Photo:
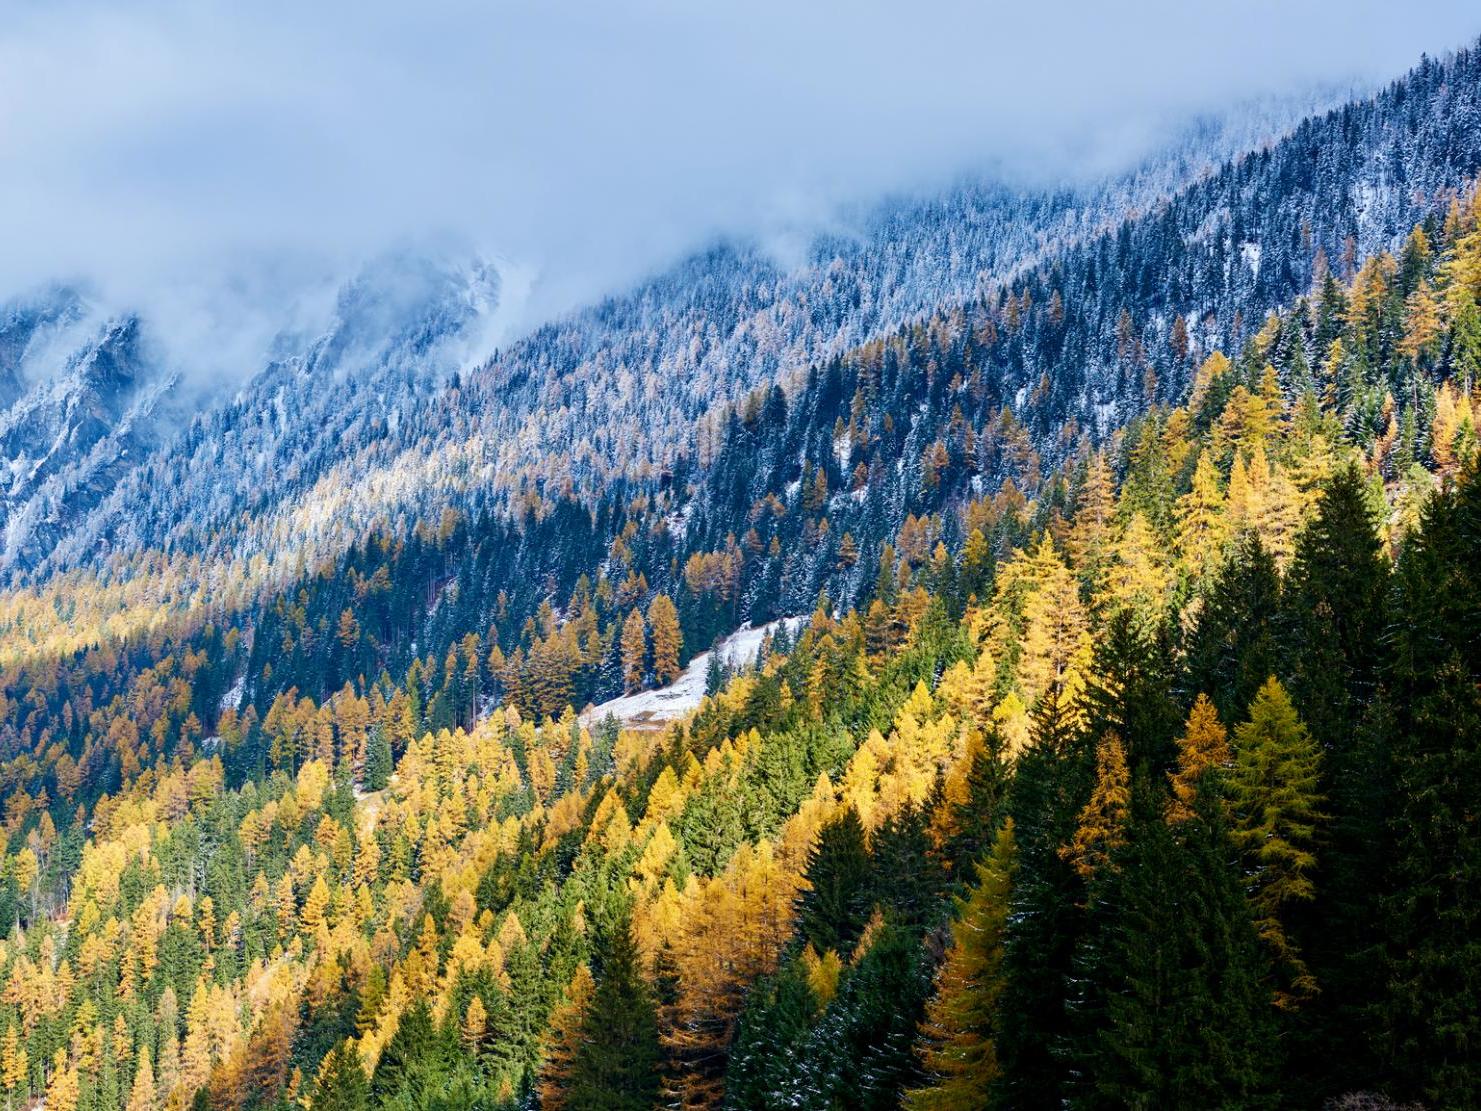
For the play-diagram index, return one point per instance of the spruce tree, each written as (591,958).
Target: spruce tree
(1052,784)
(831,910)
(1235,644)
(1336,618)
(1431,1014)
(958,1038)
(615,1065)
(341,1085)
(1171,1010)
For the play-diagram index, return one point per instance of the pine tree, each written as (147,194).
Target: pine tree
(1335,611)
(1201,527)
(1336,607)
(564,1040)
(615,1065)
(958,1038)
(415,1052)
(1274,789)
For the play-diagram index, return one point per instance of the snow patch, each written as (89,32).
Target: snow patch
(656,708)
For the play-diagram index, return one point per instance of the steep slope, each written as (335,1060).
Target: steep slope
(83,402)
(1037,823)
(614,391)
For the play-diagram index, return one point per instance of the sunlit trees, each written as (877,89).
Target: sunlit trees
(1274,790)
(959,1050)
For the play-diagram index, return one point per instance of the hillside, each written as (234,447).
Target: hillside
(1127,756)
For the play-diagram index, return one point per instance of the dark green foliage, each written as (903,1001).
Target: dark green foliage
(832,908)
(415,1057)
(769,1038)
(1053,780)
(378,761)
(1235,646)
(341,1085)
(615,1067)
(1172,1011)
(1336,616)
(1432,913)
(1131,691)
(907,880)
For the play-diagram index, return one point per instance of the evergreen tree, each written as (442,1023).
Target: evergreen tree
(341,1085)
(615,1063)
(1172,1011)
(416,1053)
(1235,644)
(1337,615)
(830,909)
(1053,781)
(1431,1016)
(958,1038)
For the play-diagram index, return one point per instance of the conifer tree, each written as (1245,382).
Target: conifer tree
(378,760)
(1203,748)
(1431,1014)
(1053,780)
(1274,790)
(1171,1011)
(634,651)
(668,642)
(341,1084)
(1235,644)
(615,1063)
(958,1038)
(1335,600)
(565,1040)
(1101,827)
(830,910)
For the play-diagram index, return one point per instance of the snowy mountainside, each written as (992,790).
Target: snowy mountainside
(93,400)
(298,463)
(653,709)
(85,399)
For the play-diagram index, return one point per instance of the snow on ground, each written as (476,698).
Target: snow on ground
(656,708)
(233,698)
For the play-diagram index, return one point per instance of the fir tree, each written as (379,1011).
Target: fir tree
(615,1063)
(831,910)
(958,1049)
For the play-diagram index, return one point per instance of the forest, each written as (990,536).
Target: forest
(1125,751)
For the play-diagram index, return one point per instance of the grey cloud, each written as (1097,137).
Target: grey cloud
(223,159)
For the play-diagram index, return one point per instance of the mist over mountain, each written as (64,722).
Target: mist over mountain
(740,559)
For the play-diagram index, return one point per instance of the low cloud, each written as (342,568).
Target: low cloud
(226,159)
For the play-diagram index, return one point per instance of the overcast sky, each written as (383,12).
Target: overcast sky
(251,144)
